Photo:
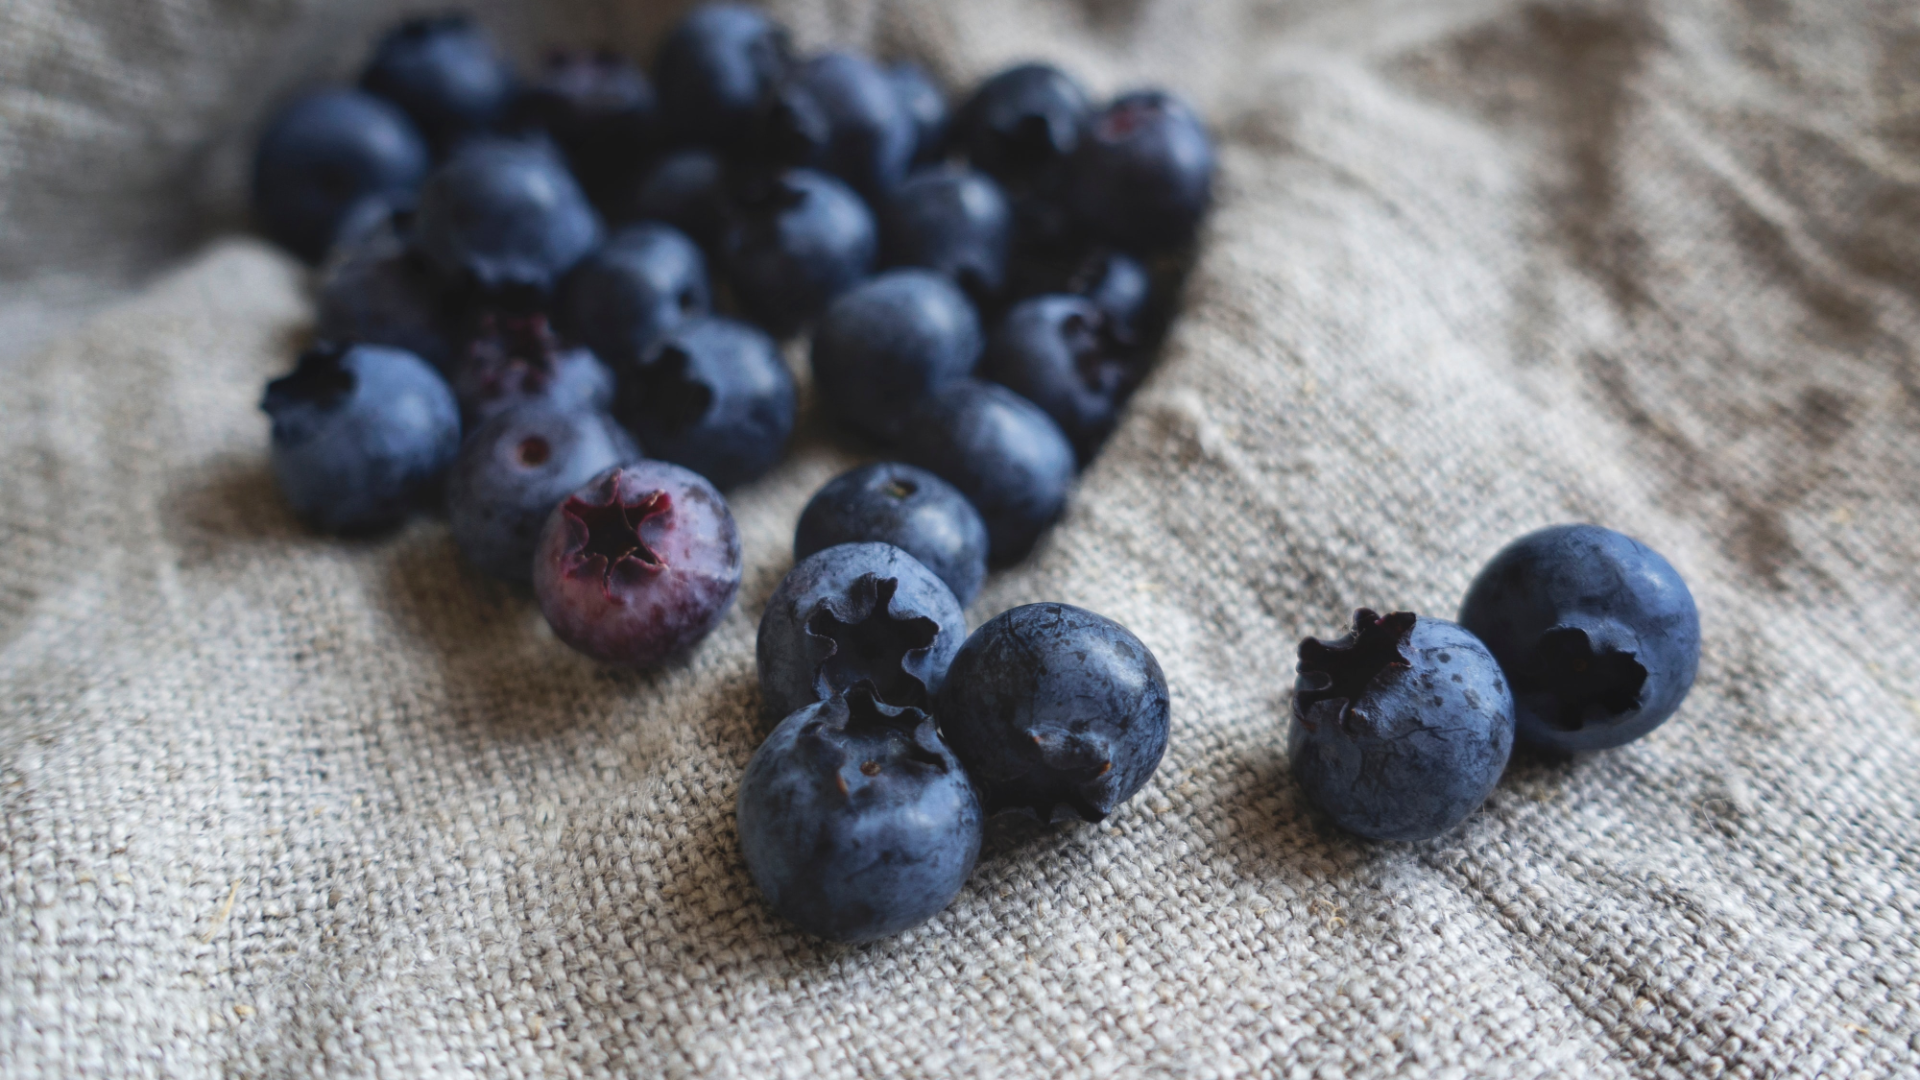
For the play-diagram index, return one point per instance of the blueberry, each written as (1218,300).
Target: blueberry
(638,565)
(1006,456)
(1056,712)
(625,297)
(506,217)
(954,221)
(373,289)
(1022,123)
(445,72)
(1596,631)
(1401,728)
(518,358)
(799,239)
(687,190)
(1057,352)
(716,69)
(855,821)
(713,395)
(323,154)
(857,613)
(515,469)
(360,434)
(1119,286)
(599,108)
(839,112)
(926,104)
(889,342)
(910,508)
(1143,175)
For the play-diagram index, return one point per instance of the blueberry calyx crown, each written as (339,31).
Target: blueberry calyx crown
(608,540)
(668,395)
(858,638)
(1339,673)
(858,731)
(318,378)
(1575,683)
(1083,759)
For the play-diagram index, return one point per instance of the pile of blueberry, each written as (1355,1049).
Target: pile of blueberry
(984,289)
(1572,638)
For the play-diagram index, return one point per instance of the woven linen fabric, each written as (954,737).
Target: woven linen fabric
(282,805)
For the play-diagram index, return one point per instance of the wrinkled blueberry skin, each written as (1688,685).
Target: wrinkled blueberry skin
(839,112)
(797,241)
(1142,177)
(857,613)
(1597,632)
(517,359)
(856,821)
(374,290)
(1006,456)
(712,395)
(1056,352)
(1057,712)
(360,434)
(887,343)
(599,108)
(687,190)
(1401,728)
(953,221)
(1022,122)
(505,217)
(638,565)
(515,469)
(622,299)
(323,154)
(445,72)
(716,69)
(910,508)
(926,104)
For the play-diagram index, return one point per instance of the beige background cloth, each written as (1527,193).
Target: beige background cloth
(277,805)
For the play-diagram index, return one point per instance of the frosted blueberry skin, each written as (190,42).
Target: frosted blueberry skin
(505,217)
(1022,122)
(857,613)
(687,190)
(515,469)
(374,290)
(715,70)
(712,395)
(795,242)
(887,343)
(1058,713)
(445,72)
(926,105)
(599,108)
(638,565)
(361,434)
(517,358)
(954,221)
(323,154)
(1001,451)
(856,821)
(1142,177)
(1057,352)
(1597,632)
(622,299)
(1401,728)
(840,113)
(910,508)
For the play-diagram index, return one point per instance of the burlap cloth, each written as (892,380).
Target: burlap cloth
(278,805)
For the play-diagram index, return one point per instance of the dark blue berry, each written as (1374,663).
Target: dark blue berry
(951,220)
(324,154)
(687,190)
(515,469)
(1120,287)
(373,289)
(712,395)
(1143,175)
(1596,631)
(1056,712)
(889,342)
(716,69)
(599,108)
(1022,123)
(1056,352)
(926,104)
(505,217)
(799,239)
(855,821)
(839,112)
(445,72)
(857,613)
(360,434)
(1006,456)
(622,299)
(910,508)
(518,358)
(638,565)
(1401,728)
